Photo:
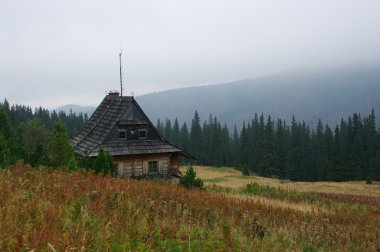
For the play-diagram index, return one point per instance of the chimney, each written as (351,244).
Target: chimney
(112,95)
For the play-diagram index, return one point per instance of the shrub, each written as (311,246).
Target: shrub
(104,163)
(73,165)
(245,171)
(189,180)
(60,149)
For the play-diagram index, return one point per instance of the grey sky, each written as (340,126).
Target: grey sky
(59,52)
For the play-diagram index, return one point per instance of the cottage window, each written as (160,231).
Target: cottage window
(152,167)
(132,134)
(122,135)
(142,133)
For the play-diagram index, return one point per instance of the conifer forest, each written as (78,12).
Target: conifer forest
(274,148)
(266,146)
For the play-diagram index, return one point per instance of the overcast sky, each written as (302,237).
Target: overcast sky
(58,52)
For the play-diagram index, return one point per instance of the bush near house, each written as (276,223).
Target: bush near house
(189,180)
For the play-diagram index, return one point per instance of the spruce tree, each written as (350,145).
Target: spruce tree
(60,149)
(34,138)
(175,133)
(7,143)
(184,137)
(189,180)
(235,150)
(335,169)
(168,130)
(196,141)
(104,164)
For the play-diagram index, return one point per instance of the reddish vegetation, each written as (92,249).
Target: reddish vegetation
(367,200)
(42,209)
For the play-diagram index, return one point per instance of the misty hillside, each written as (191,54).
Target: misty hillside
(329,95)
(76,109)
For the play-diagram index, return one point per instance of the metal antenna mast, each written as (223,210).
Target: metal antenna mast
(121,74)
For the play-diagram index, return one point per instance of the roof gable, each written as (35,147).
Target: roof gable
(120,113)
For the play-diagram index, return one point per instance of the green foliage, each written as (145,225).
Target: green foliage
(73,165)
(34,139)
(85,161)
(7,141)
(196,144)
(274,149)
(54,210)
(245,171)
(104,164)
(267,147)
(60,149)
(189,180)
(368,181)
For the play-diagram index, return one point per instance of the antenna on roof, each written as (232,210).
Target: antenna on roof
(121,74)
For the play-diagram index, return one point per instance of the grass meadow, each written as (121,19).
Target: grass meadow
(52,210)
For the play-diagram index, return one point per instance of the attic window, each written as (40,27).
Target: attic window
(142,133)
(152,167)
(122,135)
(132,134)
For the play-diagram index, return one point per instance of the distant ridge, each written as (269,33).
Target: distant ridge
(76,109)
(308,95)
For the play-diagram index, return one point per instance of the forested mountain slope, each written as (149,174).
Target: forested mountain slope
(309,95)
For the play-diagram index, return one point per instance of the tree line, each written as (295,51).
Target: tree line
(273,148)
(38,137)
(268,147)
(42,138)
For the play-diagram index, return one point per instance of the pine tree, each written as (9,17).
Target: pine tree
(159,127)
(34,139)
(184,137)
(358,167)
(7,145)
(336,170)
(6,105)
(168,130)
(370,148)
(189,180)
(282,147)
(235,150)
(196,142)
(73,165)
(244,148)
(269,163)
(104,164)
(175,133)
(60,149)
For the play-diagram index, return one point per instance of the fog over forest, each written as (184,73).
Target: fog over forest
(329,95)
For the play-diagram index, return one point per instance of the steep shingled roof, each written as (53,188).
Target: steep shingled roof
(100,132)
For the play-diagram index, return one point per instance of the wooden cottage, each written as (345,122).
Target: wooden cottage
(120,126)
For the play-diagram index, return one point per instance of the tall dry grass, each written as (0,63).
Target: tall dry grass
(46,210)
(229,177)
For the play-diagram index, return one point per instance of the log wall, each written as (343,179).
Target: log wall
(137,166)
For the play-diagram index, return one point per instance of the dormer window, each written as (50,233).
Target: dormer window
(122,134)
(142,133)
(132,134)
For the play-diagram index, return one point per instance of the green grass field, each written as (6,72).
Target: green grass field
(52,210)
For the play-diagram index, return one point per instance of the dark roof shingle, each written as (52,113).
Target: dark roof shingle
(123,111)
